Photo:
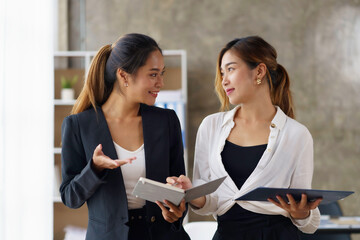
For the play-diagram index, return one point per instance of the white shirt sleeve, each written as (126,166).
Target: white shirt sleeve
(302,178)
(202,170)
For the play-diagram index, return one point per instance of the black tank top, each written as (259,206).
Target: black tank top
(240,162)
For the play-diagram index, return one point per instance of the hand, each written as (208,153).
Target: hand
(174,213)
(101,161)
(182,182)
(297,210)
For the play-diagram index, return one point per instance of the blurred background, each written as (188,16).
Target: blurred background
(318,42)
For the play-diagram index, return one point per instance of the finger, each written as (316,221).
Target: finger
(303,201)
(282,202)
(291,200)
(98,150)
(132,159)
(163,208)
(274,202)
(315,204)
(121,162)
(181,178)
(108,162)
(171,180)
(169,218)
(127,160)
(173,208)
(182,206)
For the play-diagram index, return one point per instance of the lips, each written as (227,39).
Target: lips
(154,93)
(229,91)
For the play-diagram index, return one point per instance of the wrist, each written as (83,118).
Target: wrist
(198,202)
(300,216)
(96,168)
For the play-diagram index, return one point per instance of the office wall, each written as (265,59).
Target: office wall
(317,41)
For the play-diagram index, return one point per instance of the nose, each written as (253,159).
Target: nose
(160,82)
(224,80)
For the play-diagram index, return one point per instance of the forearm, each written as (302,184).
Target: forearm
(198,202)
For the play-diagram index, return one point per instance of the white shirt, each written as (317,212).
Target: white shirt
(132,172)
(286,163)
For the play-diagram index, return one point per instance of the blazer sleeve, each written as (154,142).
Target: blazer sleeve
(79,181)
(302,178)
(177,165)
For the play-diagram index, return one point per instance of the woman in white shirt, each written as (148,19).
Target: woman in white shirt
(258,143)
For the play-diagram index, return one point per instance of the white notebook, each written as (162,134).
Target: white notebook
(156,191)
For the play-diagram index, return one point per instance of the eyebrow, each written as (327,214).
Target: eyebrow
(156,69)
(230,64)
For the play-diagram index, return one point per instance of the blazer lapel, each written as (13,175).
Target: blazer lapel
(154,145)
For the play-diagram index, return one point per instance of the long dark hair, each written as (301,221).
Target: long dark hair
(128,53)
(254,50)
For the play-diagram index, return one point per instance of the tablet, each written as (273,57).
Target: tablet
(263,193)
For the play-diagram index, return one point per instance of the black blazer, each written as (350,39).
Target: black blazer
(105,195)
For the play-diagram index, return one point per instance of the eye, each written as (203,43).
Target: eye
(153,75)
(230,69)
(162,73)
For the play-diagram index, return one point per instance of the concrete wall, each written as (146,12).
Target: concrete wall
(318,41)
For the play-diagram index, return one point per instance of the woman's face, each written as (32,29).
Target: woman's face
(238,80)
(148,80)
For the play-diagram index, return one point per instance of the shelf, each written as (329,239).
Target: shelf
(60,102)
(57,199)
(57,150)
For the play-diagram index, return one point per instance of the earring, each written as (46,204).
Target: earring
(258,81)
(126,84)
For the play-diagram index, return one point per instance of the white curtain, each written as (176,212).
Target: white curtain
(26,119)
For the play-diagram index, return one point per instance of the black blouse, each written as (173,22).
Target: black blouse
(240,162)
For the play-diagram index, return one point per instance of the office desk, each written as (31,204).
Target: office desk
(339,224)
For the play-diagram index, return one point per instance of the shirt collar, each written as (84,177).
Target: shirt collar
(278,120)
(229,116)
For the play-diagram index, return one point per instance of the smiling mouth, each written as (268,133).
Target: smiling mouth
(154,93)
(230,90)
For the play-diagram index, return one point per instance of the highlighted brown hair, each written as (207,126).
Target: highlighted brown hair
(254,50)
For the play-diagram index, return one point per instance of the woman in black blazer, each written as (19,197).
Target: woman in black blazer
(114,136)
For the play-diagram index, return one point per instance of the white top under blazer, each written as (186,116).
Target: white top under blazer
(286,163)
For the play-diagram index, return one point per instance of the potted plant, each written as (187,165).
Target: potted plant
(67,91)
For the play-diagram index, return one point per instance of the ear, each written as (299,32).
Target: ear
(261,71)
(121,75)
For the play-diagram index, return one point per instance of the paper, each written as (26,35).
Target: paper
(156,191)
(262,194)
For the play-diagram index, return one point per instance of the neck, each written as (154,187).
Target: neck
(118,106)
(260,108)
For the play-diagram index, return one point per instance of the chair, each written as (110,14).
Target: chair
(203,230)
(332,209)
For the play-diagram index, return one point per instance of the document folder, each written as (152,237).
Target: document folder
(263,193)
(156,191)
